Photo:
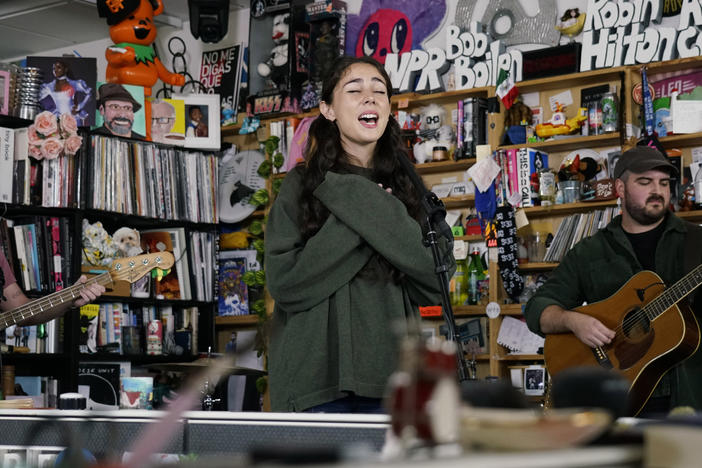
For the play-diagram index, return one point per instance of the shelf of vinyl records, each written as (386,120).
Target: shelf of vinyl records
(117,175)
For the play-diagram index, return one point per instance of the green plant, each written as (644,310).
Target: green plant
(260,197)
(276,186)
(264,169)
(271,144)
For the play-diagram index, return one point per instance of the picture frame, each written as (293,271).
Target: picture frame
(168,121)
(204,133)
(70,86)
(4,92)
(138,127)
(534,380)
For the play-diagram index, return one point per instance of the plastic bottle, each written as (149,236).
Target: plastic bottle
(475,275)
(458,287)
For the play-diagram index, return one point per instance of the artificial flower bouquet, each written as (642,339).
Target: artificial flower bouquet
(52,136)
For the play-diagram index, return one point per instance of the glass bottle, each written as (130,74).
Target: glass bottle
(475,275)
(458,286)
(610,111)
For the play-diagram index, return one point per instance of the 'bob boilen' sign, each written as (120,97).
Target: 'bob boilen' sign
(477,62)
(618,33)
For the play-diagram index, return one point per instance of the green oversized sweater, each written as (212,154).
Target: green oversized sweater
(335,330)
(598,266)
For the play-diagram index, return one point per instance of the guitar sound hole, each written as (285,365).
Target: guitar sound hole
(636,324)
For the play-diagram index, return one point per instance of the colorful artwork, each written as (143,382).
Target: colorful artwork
(233,292)
(136,393)
(392,27)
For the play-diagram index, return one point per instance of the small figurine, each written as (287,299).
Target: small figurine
(432,133)
(275,69)
(128,241)
(571,23)
(560,125)
(326,49)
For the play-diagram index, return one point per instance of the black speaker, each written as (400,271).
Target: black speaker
(209,19)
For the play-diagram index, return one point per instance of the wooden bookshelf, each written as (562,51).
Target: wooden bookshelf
(567,208)
(236,320)
(571,143)
(444,166)
(537,266)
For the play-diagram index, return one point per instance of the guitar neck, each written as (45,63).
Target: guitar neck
(50,302)
(674,294)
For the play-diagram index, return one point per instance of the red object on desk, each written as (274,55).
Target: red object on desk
(430,311)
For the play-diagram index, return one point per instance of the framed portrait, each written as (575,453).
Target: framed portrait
(128,111)
(168,121)
(534,380)
(69,86)
(202,128)
(4,92)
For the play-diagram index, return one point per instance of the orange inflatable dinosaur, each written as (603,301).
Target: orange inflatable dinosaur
(132,60)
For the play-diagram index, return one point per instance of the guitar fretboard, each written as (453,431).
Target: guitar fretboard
(51,301)
(674,294)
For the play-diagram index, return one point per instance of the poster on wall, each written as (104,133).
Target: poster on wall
(68,87)
(220,73)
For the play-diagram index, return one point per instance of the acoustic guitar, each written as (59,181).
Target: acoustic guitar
(123,269)
(653,333)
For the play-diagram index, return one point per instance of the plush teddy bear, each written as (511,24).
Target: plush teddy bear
(432,133)
(275,68)
(128,241)
(98,247)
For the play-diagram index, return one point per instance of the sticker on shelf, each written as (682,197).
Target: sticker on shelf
(492,310)
(520,218)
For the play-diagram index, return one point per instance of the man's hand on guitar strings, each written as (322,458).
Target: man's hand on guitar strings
(88,293)
(589,330)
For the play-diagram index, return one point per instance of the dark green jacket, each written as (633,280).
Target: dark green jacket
(598,266)
(333,330)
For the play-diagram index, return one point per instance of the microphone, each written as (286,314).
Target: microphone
(433,206)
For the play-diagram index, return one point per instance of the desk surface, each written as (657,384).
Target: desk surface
(222,436)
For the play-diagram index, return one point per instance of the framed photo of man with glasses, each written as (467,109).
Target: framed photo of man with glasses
(120,111)
(168,121)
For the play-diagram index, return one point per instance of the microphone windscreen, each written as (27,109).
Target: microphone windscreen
(591,387)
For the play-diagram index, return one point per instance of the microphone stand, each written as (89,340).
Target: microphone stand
(436,225)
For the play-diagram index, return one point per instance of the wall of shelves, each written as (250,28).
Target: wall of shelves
(63,365)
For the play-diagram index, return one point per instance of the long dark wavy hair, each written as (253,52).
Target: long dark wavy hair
(324,153)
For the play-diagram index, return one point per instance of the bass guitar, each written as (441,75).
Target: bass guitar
(123,269)
(654,332)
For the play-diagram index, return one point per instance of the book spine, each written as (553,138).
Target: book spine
(523,175)
(7,158)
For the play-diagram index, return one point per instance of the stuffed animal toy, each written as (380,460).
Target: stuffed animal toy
(98,247)
(432,132)
(128,241)
(275,69)
(132,60)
